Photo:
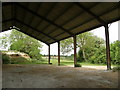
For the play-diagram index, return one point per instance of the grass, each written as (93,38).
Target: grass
(62,62)
(65,62)
(90,64)
(70,62)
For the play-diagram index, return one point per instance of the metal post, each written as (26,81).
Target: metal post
(75,62)
(107,47)
(48,54)
(58,52)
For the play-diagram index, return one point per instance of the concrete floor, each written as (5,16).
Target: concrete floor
(0,79)
(48,76)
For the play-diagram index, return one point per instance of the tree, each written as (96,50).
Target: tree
(80,56)
(4,42)
(24,43)
(99,56)
(66,46)
(115,52)
(87,43)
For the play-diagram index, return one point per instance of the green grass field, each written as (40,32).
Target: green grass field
(65,62)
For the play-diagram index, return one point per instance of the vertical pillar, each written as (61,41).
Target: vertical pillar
(48,54)
(75,60)
(107,47)
(58,52)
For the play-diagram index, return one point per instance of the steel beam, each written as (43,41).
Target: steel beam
(92,19)
(7,3)
(29,34)
(75,59)
(70,19)
(63,12)
(87,22)
(49,21)
(91,13)
(48,54)
(5,30)
(107,47)
(58,53)
(47,14)
(35,29)
(8,20)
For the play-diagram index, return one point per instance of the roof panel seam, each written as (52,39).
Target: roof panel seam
(35,29)
(49,21)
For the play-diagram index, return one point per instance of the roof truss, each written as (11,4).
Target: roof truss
(72,18)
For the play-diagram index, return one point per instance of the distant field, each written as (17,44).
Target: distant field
(65,62)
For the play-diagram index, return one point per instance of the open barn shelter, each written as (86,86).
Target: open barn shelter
(52,22)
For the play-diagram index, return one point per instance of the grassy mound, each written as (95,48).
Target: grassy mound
(19,60)
(6,59)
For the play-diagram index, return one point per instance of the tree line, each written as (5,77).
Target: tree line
(21,42)
(91,48)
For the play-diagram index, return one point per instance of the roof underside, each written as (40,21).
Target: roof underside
(50,22)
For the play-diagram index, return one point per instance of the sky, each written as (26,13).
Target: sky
(100,32)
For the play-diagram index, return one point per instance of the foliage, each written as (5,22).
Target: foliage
(88,44)
(91,48)
(4,41)
(115,52)
(80,56)
(6,59)
(18,41)
(66,46)
(99,56)
(25,43)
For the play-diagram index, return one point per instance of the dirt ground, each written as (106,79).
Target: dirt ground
(49,76)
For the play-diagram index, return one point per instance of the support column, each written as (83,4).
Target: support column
(48,54)
(107,47)
(58,53)
(75,60)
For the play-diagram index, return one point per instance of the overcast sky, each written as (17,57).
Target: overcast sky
(100,32)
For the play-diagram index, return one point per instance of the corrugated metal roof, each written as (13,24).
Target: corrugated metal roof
(50,22)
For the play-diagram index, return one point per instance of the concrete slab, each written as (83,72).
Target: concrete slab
(48,76)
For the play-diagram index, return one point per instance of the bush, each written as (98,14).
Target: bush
(80,56)
(116,69)
(78,65)
(6,59)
